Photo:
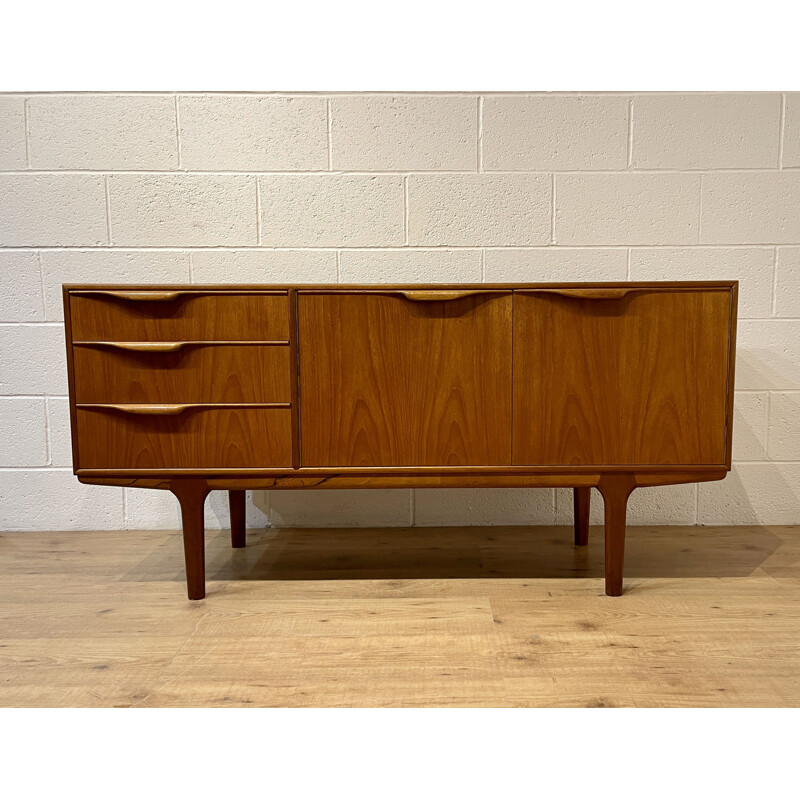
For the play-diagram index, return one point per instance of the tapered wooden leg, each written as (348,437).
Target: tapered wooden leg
(581,502)
(236,501)
(616,489)
(192,496)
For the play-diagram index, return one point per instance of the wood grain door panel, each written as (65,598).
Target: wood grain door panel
(189,316)
(190,374)
(198,438)
(639,379)
(391,381)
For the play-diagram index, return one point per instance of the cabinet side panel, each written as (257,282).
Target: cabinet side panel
(641,379)
(73,418)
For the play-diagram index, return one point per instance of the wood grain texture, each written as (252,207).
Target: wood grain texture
(616,489)
(197,438)
(465,616)
(192,495)
(192,374)
(642,379)
(386,382)
(581,509)
(325,479)
(191,316)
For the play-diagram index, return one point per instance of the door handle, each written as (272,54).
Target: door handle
(438,296)
(584,294)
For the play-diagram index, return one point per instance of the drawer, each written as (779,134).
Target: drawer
(181,372)
(152,316)
(196,438)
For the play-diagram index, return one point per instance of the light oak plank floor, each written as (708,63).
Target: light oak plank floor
(402,617)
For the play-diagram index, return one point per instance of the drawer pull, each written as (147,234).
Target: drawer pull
(585,294)
(172,347)
(170,409)
(138,347)
(149,297)
(154,409)
(436,296)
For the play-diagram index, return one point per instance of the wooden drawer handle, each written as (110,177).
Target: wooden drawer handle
(172,347)
(149,297)
(171,409)
(138,347)
(151,409)
(584,294)
(436,296)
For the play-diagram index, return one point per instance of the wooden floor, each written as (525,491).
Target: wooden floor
(402,617)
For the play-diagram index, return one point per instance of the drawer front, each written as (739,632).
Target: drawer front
(178,316)
(189,373)
(417,378)
(197,438)
(621,378)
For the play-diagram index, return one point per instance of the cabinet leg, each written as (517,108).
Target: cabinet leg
(192,495)
(236,501)
(616,489)
(581,502)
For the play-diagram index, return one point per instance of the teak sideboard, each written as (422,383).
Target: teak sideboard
(192,388)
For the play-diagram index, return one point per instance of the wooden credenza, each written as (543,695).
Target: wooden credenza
(192,388)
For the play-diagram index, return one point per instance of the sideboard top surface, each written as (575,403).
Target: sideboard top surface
(377,287)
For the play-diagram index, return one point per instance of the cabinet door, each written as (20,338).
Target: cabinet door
(405,378)
(635,379)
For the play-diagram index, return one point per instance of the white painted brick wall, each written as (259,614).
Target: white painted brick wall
(545,133)
(705,131)
(379,188)
(331,210)
(619,209)
(102,132)
(12,133)
(242,133)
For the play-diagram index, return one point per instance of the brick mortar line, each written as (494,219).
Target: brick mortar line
(630,135)
(700,211)
(47,437)
(383,93)
(767,414)
(782,131)
(178,133)
(258,213)
(479,143)
(404,172)
(329,133)
(774,304)
(107,191)
(26,123)
(383,248)
(41,285)
(406,210)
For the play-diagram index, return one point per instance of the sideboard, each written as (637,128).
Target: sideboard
(191,388)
